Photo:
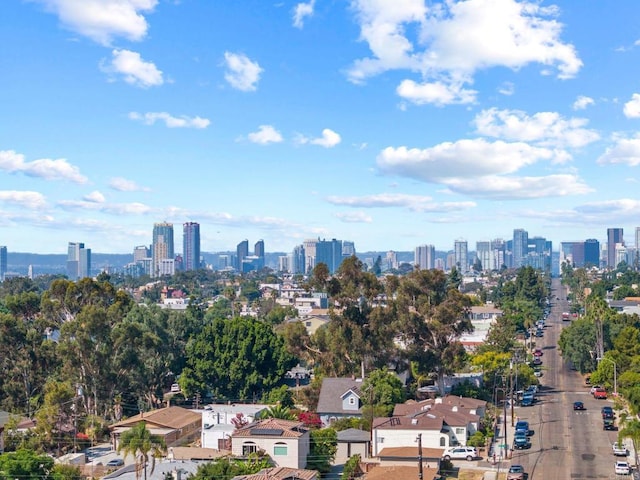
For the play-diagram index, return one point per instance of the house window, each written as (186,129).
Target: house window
(443,442)
(249,448)
(352,401)
(460,431)
(280,448)
(308,324)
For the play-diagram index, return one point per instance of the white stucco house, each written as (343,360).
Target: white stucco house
(220,421)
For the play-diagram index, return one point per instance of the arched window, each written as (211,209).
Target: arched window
(249,447)
(280,448)
(443,442)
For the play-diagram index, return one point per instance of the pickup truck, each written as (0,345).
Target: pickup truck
(619,450)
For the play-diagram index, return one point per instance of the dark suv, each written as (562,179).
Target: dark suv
(607,412)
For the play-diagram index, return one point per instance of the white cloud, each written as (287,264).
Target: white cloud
(417,203)
(123,185)
(507,89)
(632,107)
(300,11)
(623,208)
(242,73)
(354,217)
(265,135)
(455,39)
(133,208)
(510,188)
(183,121)
(438,93)
(464,158)
(582,102)
(60,169)
(381,200)
(25,199)
(103,20)
(625,151)
(328,139)
(543,128)
(95,197)
(133,69)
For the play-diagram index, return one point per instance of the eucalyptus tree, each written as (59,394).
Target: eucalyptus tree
(431,318)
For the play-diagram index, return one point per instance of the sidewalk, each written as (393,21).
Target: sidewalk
(502,450)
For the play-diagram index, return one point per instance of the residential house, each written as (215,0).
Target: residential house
(280,473)
(285,441)
(443,422)
(176,425)
(352,442)
(220,421)
(402,432)
(339,398)
(482,317)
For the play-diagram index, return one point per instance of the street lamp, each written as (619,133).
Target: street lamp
(615,374)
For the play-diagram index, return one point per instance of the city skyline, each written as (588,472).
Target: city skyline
(392,125)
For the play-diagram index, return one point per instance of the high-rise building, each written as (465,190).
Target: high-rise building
(520,248)
(310,247)
(591,253)
(258,248)
(78,261)
(162,247)
(461,255)
(425,257)
(348,248)
(3,262)
(191,245)
(242,252)
(614,237)
(498,259)
(298,260)
(483,254)
(329,252)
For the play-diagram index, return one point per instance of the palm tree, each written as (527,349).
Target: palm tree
(631,430)
(140,442)
(278,411)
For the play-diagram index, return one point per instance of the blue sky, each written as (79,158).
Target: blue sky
(391,123)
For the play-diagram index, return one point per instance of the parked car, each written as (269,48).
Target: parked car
(527,400)
(592,390)
(516,472)
(175,388)
(607,412)
(537,352)
(622,468)
(460,453)
(600,394)
(537,372)
(537,361)
(619,450)
(523,427)
(578,406)
(521,441)
(608,424)
(115,462)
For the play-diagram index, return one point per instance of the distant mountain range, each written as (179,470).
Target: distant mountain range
(19,263)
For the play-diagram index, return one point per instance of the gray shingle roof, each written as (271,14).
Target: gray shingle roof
(330,400)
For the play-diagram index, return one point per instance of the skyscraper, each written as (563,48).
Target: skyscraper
(242,252)
(425,257)
(520,247)
(329,252)
(310,247)
(3,262)
(162,248)
(298,260)
(461,255)
(614,237)
(258,249)
(78,261)
(191,245)
(592,253)
(483,254)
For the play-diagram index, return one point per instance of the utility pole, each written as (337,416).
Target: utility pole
(419,456)
(511,388)
(504,389)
